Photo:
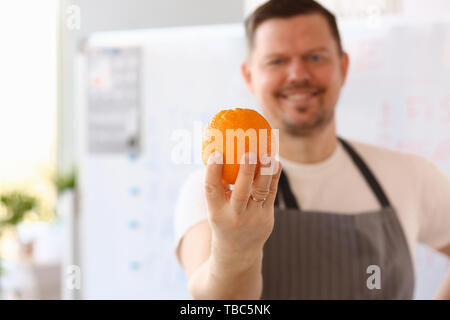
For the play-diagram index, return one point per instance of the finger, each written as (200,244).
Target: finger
(214,189)
(262,182)
(227,190)
(274,185)
(244,181)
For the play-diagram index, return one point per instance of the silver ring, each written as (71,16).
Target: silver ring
(258,200)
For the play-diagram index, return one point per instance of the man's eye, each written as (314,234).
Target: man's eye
(315,58)
(276,62)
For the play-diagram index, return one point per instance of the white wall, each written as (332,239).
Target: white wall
(139,14)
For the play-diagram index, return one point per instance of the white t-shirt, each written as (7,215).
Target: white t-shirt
(418,191)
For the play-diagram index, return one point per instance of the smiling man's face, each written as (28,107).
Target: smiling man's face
(296,71)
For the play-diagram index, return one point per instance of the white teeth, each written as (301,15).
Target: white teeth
(298,96)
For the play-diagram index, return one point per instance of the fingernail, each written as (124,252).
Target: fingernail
(252,158)
(266,159)
(215,158)
(243,159)
(270,170)
(249,157)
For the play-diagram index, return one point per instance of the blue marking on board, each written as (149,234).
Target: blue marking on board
(134,265)
(134,191)
(133,224)
(113,51)
(132,156)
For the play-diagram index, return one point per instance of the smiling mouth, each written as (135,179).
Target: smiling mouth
(299,98)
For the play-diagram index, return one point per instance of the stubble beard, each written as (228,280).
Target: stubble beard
(322,120)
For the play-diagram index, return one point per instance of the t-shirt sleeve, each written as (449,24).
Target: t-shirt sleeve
(190,207)
(434,216)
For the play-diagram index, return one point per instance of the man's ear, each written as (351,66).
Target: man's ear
(246,74)
(345,62)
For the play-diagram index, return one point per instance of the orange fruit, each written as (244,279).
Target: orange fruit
(234,132)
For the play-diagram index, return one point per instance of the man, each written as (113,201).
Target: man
(341,219)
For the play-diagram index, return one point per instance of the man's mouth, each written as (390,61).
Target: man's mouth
(298,98)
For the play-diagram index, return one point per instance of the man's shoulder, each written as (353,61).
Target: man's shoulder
(368,149)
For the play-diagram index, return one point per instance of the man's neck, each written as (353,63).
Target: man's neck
(309,149)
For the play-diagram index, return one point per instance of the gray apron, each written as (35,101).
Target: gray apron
(325,255)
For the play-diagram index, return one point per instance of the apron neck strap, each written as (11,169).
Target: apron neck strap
(286,193)
(289,198)
(367,173)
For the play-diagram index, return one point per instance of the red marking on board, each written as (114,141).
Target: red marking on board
(418,106)
(96,81)
(385,115)
(366,55)
(412,107)
(442,152)
(445,105)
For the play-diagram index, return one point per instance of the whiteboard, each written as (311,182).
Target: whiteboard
(397,90)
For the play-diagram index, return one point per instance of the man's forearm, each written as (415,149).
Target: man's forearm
(214,281)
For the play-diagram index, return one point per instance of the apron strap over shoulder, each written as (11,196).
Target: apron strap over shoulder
(288,196)
(367,173)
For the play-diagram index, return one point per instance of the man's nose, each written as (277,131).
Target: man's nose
(298,71)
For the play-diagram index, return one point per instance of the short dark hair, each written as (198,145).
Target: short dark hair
(287,9)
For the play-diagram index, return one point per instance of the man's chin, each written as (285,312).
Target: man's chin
(303,128)
(299,130)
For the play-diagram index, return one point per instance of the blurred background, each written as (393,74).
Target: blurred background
(100,99)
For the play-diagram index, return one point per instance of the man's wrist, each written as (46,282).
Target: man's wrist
(234,261)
